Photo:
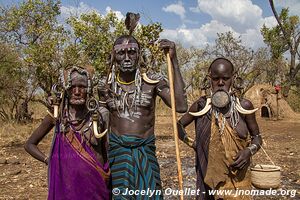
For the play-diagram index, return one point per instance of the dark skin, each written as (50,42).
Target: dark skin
(143,126)
(78,112)
(221,75)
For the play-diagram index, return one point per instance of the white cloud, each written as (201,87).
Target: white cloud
(293,5)
(195,9)
(67,11)
(239,14)
(252,38)
(197,37)
(268,21)
(118,13)
(178,9)
(241,17)
(187,37)
(211,29)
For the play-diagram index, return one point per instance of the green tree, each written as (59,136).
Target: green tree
(44,46)
(193,66)
(33,29)
(95,34)
(13,84)
(285,37)
(245,60)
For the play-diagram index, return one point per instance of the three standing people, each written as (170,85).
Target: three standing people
(79,153)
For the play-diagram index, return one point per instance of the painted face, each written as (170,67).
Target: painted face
(127,55)
(78,90)
(221,74)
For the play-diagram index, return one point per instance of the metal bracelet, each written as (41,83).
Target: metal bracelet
(46,158)
(188,141)
(253,148)
(185,138)
(254,136)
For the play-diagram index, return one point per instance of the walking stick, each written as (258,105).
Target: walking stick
(174,115)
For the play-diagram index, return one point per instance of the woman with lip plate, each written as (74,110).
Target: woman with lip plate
(223,124)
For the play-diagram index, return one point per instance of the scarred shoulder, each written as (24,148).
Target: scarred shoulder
(156,76)
(158,80)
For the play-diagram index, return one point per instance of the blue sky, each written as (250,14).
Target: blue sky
(153,10)
(192,22)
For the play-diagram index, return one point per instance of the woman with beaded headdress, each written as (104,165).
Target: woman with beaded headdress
(78,164)
(223,122)
(130,97)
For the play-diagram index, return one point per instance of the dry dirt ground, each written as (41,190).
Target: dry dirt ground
(22,177)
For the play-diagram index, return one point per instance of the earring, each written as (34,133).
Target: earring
(238,83)
(206,83)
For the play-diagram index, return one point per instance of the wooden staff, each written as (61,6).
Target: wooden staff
(174,115)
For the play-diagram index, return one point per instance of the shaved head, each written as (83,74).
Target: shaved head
(221,72)
(225,63)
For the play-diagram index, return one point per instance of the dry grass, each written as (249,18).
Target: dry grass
(27,179)
(12,133)
(294,100)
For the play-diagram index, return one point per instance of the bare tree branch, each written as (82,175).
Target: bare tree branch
(279,22)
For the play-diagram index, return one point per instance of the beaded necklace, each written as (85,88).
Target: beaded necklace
(123,82)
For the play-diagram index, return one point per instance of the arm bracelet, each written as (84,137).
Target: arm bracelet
(254,136)
(187,140)
(253,148)
(45,159)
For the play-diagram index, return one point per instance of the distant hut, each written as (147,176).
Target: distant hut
(264,98)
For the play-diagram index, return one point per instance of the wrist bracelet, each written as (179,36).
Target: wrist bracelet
(254,136)
(51,114)
(253,149)
(46,158)
(188,141)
